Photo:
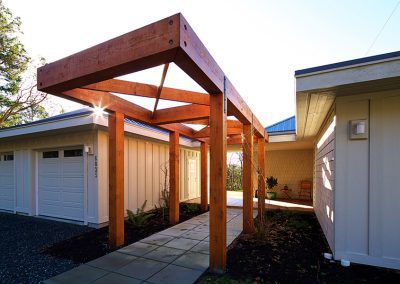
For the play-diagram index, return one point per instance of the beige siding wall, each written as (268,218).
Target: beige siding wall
(144,178)
(324,179)
(290,167)
(367,181)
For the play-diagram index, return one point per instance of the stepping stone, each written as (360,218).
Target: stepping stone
(142,268)
(173,232)
(185,226)
(202,247)
(157,239)
(164,254)
(182,243)
(79,275)
(117,279)
(112,261)
(195,235)
(138,249)
(193,260)
(173,274)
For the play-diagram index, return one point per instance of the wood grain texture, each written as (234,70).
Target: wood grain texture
(248,170)
(174,178)
(180,114)
(204,176)
(116,179)
(146,47)
(217,185)
(149,91)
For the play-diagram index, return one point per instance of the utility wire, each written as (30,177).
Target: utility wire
(383,27)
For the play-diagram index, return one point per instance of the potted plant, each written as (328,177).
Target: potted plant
(271,183)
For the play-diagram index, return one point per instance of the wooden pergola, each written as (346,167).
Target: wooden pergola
(88,77)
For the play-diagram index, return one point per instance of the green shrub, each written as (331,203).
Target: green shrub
(141,218)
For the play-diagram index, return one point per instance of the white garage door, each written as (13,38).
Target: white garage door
(7,185)
(61,184)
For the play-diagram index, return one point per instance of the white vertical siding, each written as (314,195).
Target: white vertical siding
(324,179)
(367,184)
(144,178)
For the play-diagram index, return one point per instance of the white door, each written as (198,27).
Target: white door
(61,183)
(192,178)
(7,184)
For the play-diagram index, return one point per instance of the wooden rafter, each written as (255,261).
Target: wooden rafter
(181,114)
(160,87)
(205,132)
(150,91)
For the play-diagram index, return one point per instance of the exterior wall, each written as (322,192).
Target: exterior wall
(367,187)
(25,151)
(290,167)
(324,178)
(144,178)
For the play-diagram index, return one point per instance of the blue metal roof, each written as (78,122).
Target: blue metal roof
(348,63)
(286,126)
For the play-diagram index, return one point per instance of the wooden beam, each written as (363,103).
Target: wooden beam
(180,114)
(150,91)
(164,74)
(147,47)
(113,103)
(217,185)
(204,176)
(116,179)
(194,58)
(248,168)
(178,127)
(108,102)
(261,177)
(174,178)
(205,132)
(199,121)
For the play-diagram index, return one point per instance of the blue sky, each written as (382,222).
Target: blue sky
(258,44)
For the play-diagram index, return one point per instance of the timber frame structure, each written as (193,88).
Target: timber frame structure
(88,77)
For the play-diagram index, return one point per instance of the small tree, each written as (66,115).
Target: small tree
(19,99)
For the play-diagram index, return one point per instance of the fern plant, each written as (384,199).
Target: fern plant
(141,217)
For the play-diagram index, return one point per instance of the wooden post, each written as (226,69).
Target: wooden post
(217,184)
(204,176)
(116,179)
(261,177)
(248,222)
(173,177)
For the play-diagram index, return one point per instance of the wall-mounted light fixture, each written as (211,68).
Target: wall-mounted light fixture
(358,129)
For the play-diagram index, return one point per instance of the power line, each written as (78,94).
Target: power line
(383,27)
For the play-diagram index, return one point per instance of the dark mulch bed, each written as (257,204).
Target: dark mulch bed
(94,244)
(291,251)
(21,241)
(34,249)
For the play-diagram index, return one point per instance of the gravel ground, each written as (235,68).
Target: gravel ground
(22,239)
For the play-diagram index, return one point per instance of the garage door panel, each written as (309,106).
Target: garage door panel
(7,184)
(73,182)
(72,197)
(61,187)
(50,195)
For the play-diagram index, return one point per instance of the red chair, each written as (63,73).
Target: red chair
(305,189)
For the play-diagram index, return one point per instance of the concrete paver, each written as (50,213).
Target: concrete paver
(179,254)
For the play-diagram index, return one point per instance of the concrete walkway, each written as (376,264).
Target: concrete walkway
(179,254)
(235,199)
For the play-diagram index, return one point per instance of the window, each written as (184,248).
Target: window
(9,157)
(73,153)
(50,154)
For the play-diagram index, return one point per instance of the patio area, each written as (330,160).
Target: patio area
(179,254)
